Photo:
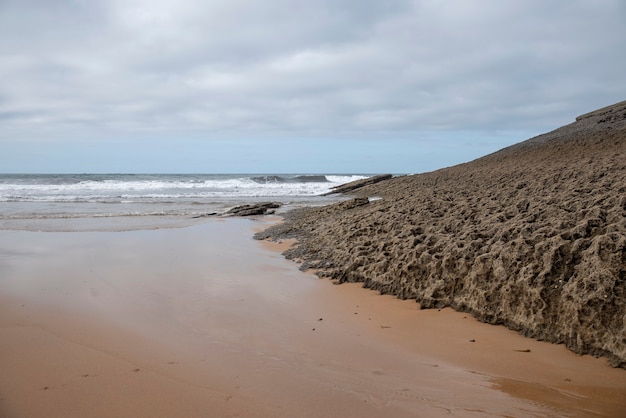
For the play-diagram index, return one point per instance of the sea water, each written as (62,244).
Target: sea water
(130,201)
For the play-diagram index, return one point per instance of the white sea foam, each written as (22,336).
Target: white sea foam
(97,196)
(155,188)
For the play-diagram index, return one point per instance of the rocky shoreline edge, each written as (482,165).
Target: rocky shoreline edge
(532,237)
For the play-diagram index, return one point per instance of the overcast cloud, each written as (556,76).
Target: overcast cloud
(343,85)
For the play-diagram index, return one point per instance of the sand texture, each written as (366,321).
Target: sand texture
(203,321)
(532,237)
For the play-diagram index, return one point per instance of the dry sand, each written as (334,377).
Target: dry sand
(204,321)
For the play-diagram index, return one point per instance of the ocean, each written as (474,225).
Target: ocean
(136,201)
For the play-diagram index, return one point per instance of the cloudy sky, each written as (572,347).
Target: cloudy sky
(365,86)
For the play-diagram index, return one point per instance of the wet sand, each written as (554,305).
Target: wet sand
(205,321)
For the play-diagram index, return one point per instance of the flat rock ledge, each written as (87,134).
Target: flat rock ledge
(263,208)
(357,184)
(532,237)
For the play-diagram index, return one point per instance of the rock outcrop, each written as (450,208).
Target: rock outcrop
(532,236)
(264,208)
(357,184)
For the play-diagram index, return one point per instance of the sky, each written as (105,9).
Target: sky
(298,86)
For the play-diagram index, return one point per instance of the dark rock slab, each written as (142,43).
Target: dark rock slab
(353,185)
(264,208)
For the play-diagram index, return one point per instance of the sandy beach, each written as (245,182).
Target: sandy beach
(205,321)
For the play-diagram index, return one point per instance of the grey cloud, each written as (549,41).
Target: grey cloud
(311,67)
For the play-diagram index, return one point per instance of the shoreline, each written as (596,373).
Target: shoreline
(204,318)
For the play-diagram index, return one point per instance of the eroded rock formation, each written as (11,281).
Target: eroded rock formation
(532,236)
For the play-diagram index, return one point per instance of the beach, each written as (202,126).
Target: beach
(143,296)
(203,320)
